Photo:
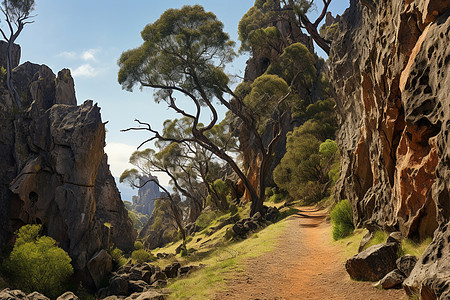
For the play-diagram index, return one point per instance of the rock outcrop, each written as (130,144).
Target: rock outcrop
(54,170)
(390,67)
(144,203)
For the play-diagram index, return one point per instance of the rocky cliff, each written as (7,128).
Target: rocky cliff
(390,69)
(145,201)
(54,170)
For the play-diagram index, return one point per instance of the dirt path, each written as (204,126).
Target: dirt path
(304,265)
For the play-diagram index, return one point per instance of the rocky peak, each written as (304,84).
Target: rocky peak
(55,169)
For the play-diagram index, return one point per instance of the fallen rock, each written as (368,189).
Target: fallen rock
(272,214)
(395,237)
(171,271)
(373,263)
(159,283)
(406,264)
(137,286)
(158,276)
(68,296)
(366,239)
(392,279)
(148,295)
(250,225)
(36,296)
(100,266)
(118,285)
(8,294)
(239,229)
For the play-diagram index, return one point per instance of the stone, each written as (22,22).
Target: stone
(118,285)
(171,271)
(186,270)
(250,225)
(430,276)
(159,283)
(392,279)
(239,229)
(406,264)
(148,295)
(272,214)
(395,237)
(8,294)
(158,276)
(137,286)
(373,263)
(68,296)
(36,296)
(365,240)
(100,266)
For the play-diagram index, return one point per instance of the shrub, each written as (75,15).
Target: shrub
(342,217)
(138,245)
(117,256)
(141,256)
(36,263)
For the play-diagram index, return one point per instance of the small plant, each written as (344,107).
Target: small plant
(342,218)
(117,256)
(141,256)
(138,245)
(36,263)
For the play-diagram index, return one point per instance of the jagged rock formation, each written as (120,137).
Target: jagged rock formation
(54,170)
(390,70)
(144,203)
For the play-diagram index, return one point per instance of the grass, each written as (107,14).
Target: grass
(222,258)
(412,248)
(222,262)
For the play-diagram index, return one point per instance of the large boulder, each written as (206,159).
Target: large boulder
(406,264)
(392,279)
(373,263)
(100,266)
(68,296)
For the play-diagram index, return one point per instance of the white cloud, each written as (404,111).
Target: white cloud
(90,54)
(118,155)
(68,55)
(85,70)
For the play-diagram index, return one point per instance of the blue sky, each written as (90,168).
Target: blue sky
(89,36)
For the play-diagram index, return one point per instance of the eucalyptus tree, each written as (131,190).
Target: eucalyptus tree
(17,15)
(184,54)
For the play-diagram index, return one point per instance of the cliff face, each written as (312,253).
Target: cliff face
(54,170)
(390,70)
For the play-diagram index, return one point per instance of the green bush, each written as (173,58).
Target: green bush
(36,263)
(141,256)
(342,218)
(138,245)
(117,256)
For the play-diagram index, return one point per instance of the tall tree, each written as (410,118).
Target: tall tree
(185,52)
(17,13)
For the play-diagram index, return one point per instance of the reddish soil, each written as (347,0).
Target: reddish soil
(304,265)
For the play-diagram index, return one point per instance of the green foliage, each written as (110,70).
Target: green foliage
(295,65)
(186,48)
(207,217)
(36,263)
(330,32)
(117,256)
(138,245)
(141,256)
(342,218)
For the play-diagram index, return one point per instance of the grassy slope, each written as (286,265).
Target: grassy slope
(221,258)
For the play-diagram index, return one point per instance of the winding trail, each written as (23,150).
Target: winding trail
(304,265)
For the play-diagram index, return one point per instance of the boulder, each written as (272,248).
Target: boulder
(373,263)
(148,295)
(239,229)
(137,286)
(8,294)
(159,283)
(272,214)
(158,276)
(171,271)
(68,296)
(118,285)
(392,279)
(395,237)
(250,225)
(36,296)
(100,266)
(365,240)
(406,264)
